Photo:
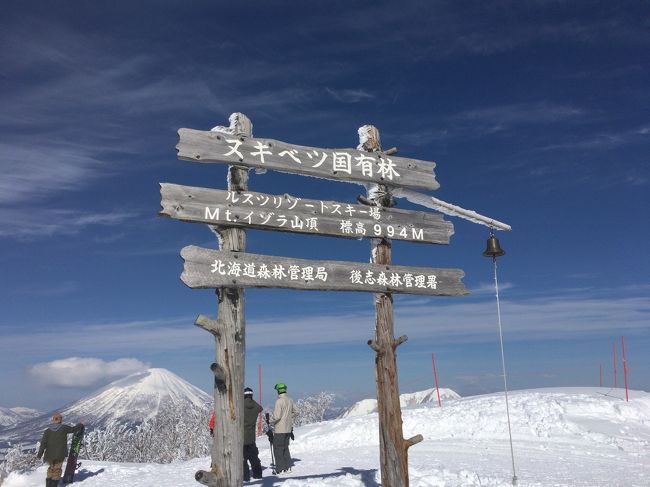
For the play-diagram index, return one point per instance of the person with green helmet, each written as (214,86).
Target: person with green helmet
(282,418)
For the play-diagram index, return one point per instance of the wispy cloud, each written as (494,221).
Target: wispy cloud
(435,30)
(62,288)
(349,95)
(493,119)
(86,111)
(34,170)
(84,371)
(102,338)
(601,141)
(487,288)
(35,223)
(561,316)
(498,118)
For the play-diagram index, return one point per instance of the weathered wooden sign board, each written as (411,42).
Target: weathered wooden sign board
(291,214)
(207,268)
(231,269)
(338,164)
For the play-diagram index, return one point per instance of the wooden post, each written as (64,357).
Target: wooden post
(228,446)
(393,446)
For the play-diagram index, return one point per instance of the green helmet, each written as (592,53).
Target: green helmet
(280,388)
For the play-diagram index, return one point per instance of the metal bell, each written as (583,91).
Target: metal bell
(493,248)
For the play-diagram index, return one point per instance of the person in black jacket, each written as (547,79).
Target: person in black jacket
(54,444)
(251,454)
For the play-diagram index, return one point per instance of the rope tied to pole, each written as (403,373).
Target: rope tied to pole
(503,364)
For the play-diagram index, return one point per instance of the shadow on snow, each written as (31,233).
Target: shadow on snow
(84,473)
(367,477)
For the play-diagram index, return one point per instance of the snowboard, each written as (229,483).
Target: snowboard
(72,465)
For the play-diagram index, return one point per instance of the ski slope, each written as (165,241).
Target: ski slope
(571,437)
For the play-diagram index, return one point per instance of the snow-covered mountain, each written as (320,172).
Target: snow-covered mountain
(368,406)
(13,416)
(130,400)
(136,398)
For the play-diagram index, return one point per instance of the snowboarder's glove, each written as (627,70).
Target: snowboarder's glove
(269,433)
(291,435)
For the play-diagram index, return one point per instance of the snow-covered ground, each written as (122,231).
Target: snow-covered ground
(570,437)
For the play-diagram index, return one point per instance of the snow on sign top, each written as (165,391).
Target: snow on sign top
(350,165)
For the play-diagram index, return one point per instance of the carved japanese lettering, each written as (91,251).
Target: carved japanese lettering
(299,215)
(206,268)
(338,164)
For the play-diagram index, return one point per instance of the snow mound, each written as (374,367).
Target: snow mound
(368,406)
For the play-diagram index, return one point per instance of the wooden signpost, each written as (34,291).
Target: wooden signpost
(230,270)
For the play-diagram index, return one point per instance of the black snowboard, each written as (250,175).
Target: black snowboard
(71,466)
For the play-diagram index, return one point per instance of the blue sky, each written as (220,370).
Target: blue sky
(536,114)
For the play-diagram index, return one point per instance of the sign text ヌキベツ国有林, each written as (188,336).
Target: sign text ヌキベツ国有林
(338,164)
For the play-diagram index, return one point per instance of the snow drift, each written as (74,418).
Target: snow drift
(367,406)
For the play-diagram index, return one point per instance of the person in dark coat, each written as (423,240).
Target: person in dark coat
(54,448)
(252,411)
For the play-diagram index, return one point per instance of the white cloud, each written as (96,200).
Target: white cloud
(84,372)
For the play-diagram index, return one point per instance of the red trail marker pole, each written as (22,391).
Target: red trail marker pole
(624,366)
(601,375)
(435,375)
(614,350)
